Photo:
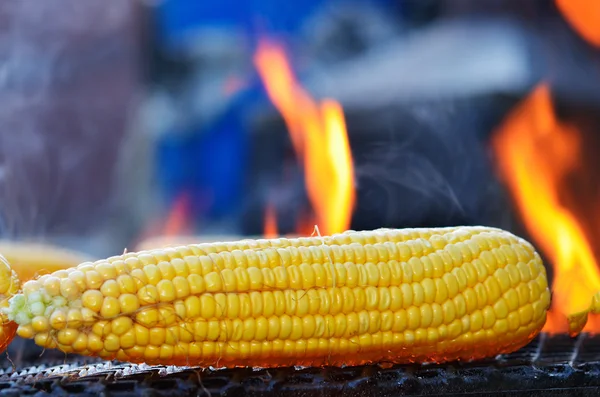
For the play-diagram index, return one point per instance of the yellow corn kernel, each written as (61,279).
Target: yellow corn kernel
(110,307)
(44,340)
(92,299)
(67,336)
(81,343)
(26,331)
(127,340)
(357,297)
(40,324)
(94,343)
(121,325)
(74,318)
(128,303)
(93,279)
(166,291)
(58,319)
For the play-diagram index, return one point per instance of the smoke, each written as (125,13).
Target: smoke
(417,164)
(424,164)
(390,169)
(67,77)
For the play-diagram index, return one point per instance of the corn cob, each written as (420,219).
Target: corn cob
(410,295)
(30,260)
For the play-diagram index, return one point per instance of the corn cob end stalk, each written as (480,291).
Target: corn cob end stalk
(408,295)
(9,285)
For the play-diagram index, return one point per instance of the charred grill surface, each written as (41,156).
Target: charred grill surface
(550,365)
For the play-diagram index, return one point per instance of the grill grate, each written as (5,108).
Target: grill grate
(550,365)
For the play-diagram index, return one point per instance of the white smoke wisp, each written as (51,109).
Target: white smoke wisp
(55,56)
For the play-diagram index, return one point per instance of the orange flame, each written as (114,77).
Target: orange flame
(271,230)
(176,223)
(305,224)
(535,153)
(584,17)
(318,133)
(234,84)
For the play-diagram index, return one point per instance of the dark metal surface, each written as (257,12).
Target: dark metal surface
(549,366)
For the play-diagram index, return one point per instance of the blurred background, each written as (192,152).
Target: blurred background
(128,124)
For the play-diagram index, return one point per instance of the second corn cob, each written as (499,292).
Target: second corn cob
(30,260)
(385,295)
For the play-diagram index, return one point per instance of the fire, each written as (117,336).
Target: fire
(178,218)
(318,134)
(271,230)
(584,17)
(234,84)
(535,153)
(176,223)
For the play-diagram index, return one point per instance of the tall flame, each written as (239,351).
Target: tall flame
(270,230)
(584,17)
(318,133)
(535,153)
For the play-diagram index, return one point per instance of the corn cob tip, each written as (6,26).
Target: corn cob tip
(9,286)
(23,308)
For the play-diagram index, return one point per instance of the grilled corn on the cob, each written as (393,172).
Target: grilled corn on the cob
(357,297)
